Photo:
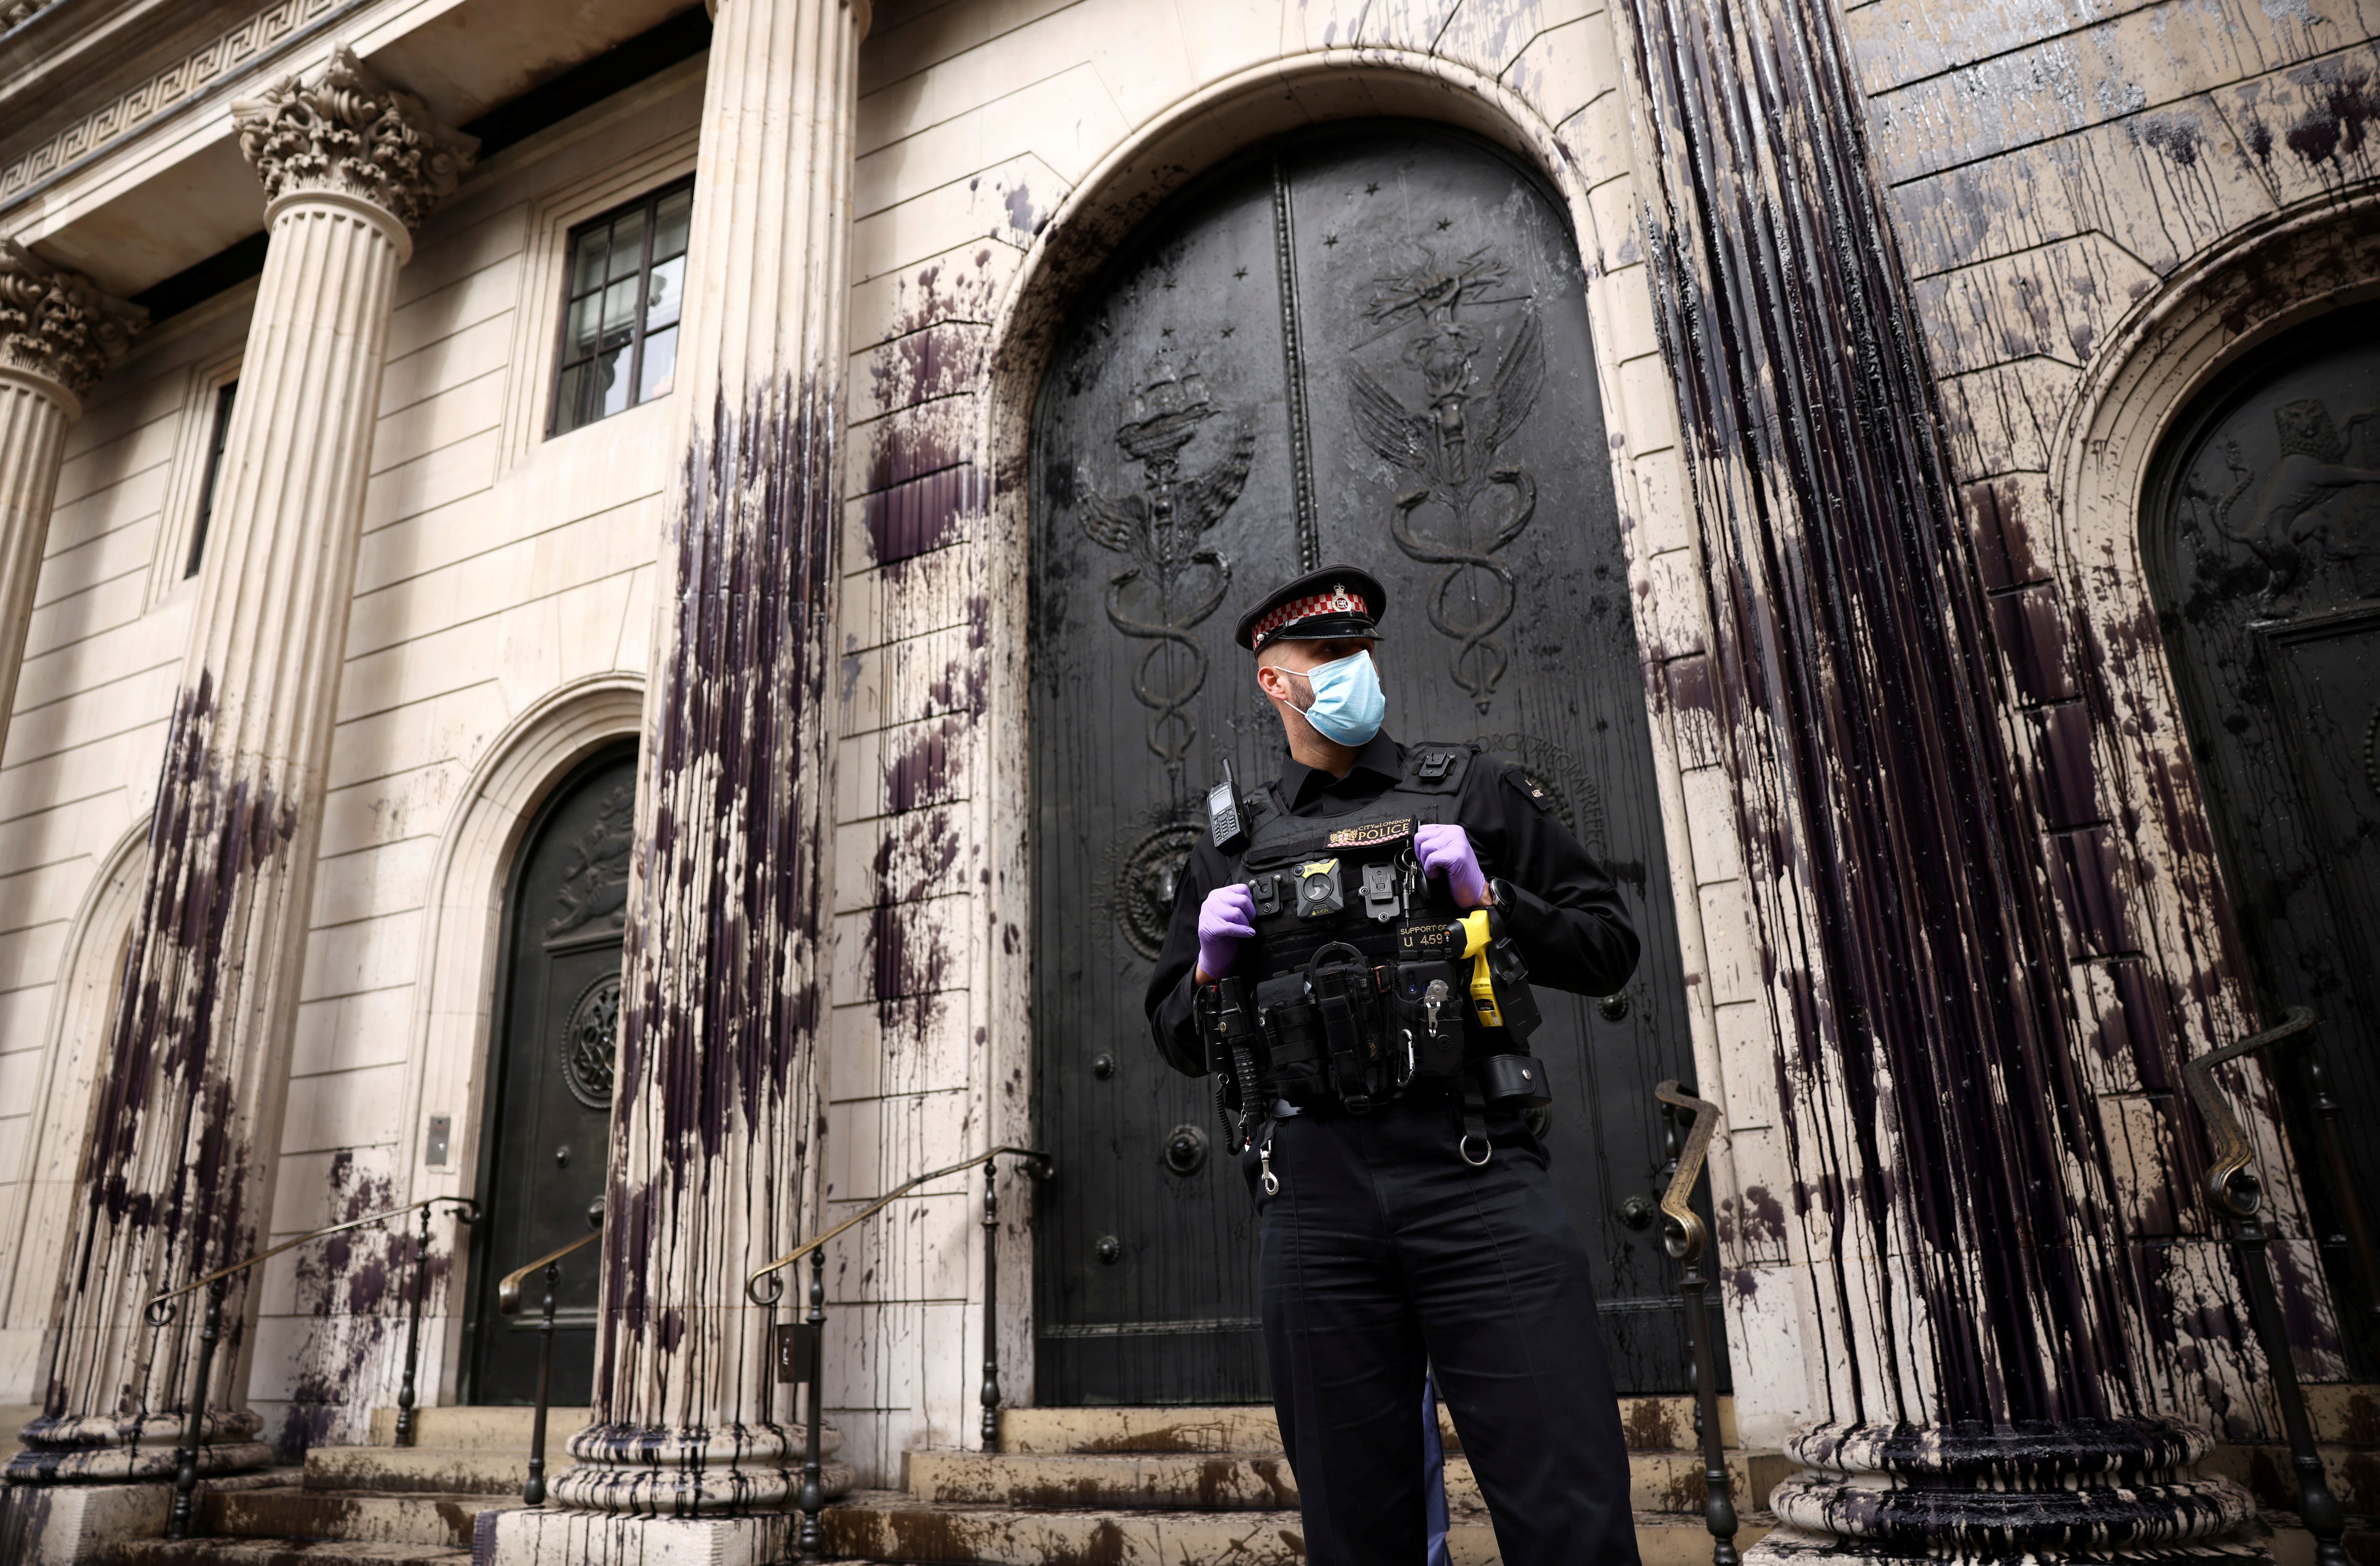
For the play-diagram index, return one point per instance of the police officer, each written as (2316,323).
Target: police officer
(1406,1212)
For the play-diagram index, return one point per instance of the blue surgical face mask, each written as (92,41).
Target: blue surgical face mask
(1348,705)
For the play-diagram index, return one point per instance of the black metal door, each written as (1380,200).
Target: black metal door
(2263,551)
(1367,344)
(549,1094)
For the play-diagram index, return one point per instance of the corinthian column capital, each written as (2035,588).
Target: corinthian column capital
(58,324)
(349,133)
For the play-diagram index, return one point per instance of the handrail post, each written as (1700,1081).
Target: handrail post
(2317,1508)
(405,1396)
(812,1541)
(2233,1189)
(185,1472)
(533,1493)
(1719,1505)
(1685,1236)
(990,1303)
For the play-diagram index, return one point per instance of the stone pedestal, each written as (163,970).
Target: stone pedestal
(1981,1342)
(58,334)
(181,1164)
(713,1166)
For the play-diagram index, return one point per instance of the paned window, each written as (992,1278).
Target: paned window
(620,308)
(213,479)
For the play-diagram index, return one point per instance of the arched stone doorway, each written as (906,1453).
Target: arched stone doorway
(546,1127)
(2262,543)
(1258,383)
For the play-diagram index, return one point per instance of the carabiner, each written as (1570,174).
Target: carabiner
(1271,1181)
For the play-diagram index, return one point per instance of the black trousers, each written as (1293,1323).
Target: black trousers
(1383,1250)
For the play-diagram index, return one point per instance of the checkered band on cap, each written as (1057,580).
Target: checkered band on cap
(1338,600)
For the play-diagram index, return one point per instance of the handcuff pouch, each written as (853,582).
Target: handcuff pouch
(1512,1082)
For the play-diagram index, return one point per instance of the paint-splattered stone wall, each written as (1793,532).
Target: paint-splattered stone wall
(2061,179)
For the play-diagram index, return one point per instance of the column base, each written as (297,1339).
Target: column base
(57,1525)
(2087,1490)
(744,1470)
(105,1450)
(553,1536)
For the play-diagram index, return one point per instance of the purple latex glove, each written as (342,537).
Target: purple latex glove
(1446,851)
(1226,918)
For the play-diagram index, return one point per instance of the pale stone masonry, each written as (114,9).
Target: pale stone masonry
(423,611)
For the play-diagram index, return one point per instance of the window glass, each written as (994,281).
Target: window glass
(622,299)
(212,478)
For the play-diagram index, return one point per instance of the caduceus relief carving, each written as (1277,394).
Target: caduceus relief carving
(1174,580)
(1475,505)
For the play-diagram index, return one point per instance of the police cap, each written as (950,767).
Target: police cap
(1338,600)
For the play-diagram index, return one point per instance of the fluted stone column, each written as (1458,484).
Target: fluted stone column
(186,1138)
(58,334)
(714,1126)
(1983,1351)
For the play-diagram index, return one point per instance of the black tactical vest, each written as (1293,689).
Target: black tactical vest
(1365,982)
(1337,879)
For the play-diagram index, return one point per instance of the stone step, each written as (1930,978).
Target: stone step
(1648,1423)
(284,1552)
(294,1513)
(1658,1481)
(426,1470)
(886,1525)
(500,1429)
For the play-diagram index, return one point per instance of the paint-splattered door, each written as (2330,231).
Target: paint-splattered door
(2263,547)
(1370,345)
(548,1108)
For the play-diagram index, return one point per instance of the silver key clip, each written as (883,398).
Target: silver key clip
(1271,1181)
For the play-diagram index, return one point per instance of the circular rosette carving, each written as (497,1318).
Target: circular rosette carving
(590,1043)
(1145,882)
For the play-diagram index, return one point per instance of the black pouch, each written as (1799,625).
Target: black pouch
(1341,983)
(1513,1082)
(1292,1030)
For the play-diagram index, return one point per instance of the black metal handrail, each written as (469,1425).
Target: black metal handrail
(1684,1235)
(801,1354)
(508,1303)
(2235,1192)
(161,1309)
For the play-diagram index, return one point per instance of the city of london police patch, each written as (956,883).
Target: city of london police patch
(1372,833)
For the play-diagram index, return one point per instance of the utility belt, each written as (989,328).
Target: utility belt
(1347,1029)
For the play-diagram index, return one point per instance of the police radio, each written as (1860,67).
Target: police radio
(1226,822)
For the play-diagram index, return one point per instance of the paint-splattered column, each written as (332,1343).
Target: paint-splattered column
(58,334)
(184,1138)
(1986,1348)
(715,1125)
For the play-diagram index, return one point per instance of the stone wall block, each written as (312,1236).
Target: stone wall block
(2030,624)
(2093,893)
(2002,514)
(2127,1024)
(2064,769)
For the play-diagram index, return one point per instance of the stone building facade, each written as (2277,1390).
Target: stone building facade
(391,438)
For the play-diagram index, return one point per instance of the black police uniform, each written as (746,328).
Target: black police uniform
(1385,1246)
